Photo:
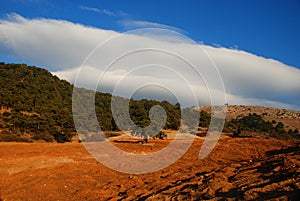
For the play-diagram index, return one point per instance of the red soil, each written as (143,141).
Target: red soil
(237,169)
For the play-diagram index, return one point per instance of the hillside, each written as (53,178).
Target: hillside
(290,118)
(36,105)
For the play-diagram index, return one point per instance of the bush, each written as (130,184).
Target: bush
(6,114)
(254,123)
(161,135)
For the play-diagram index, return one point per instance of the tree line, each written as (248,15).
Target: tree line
(36,105)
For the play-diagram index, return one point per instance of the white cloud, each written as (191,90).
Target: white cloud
(137,24)
(62,47)
(54,44)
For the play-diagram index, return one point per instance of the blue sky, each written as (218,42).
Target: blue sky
(255,46)
(267,28)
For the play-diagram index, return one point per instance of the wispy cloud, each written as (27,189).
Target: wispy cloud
(137,24)
(62,46)
(105,11)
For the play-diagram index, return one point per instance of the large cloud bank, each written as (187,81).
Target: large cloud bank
(174,65)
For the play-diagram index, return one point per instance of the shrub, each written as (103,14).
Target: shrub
(6,114)
(161,135)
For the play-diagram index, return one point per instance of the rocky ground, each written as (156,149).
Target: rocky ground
(237,169)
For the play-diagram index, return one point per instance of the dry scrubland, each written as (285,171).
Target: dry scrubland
(290,118)
(238,168)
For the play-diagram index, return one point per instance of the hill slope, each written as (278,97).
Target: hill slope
(290,118)
(35,105)
(258,121)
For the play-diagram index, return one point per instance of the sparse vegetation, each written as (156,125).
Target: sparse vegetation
(256,123)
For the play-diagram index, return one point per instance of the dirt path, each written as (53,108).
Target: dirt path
(237,169)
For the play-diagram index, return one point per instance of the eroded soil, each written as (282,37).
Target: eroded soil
(237,169)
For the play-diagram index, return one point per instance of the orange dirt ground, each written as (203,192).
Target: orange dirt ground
(237,169)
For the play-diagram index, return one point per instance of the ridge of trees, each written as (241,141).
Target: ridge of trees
(38,105)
